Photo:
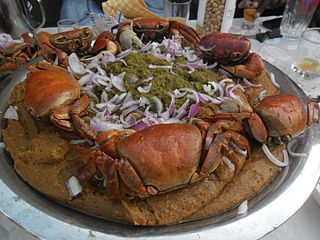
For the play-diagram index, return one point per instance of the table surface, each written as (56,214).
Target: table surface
(303,225)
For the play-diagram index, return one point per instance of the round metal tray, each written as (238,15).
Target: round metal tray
(267,209)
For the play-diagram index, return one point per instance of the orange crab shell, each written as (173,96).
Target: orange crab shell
(46,90)
(166,158)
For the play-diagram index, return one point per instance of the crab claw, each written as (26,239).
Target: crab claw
(250,68)
(105,41)
(224,48)
(127,37)
(178,28)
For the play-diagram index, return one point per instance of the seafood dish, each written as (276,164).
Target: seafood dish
(150,125)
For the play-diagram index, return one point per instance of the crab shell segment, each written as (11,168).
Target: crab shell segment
(49,89)
(77,40)
(282,114)
(164,156)
(224,48)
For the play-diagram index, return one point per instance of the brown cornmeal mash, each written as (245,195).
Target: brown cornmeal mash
(44,158)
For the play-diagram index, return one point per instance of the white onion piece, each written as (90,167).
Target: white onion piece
(290,146)
(177,93)
(208,142)
(273,80)
(230,165)
(2,145)
(158,103)
(98,67)
(78,141)
(243,208)
(159,66)
(224,81)
(250,84)
(262,95)
(75,64)
(273,159)
(11,113)
(105,126)
(145,89)
(73,186)
(117,82)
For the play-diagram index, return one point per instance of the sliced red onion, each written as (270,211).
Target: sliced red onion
(208,142)
(206,49)
(194,93)
(5,40)
(125,53)
(166,115)
(229,163)
(117,82)
(177,93)
(184,106)
(273,159)
(262,95)
(224,81)
(2,145)
(85,79)
(148,79)
(130,120)
(181,114)
(189,55)
(73,186)
(78,141)
(158,103)
(128,98)
(139,126)
(130,109)
(233,95)
(108,57)
(194,109)
(114,99)
(273,80)
(143,101)
(120,98)
(98,67)
(105,126)
(290,146)
(208,98)
(145,89)
(227,89)
(212,65)
(146,47)
(128,104)
(11,113)
(159,66)
(250,84)
(243,208)
(75,64)
(237,149)
(101,81)
(221,70)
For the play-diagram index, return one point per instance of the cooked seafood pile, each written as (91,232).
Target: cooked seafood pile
(157,109)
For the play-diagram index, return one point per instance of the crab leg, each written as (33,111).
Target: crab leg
(131,179)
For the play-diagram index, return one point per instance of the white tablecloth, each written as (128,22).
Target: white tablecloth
(280,52)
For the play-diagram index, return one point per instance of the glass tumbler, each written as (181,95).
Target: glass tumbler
(67,25)
(307,57)
(296,17)
(177,9)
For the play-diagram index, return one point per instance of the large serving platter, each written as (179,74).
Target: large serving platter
(267,210)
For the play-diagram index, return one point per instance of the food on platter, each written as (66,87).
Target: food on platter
(171,128)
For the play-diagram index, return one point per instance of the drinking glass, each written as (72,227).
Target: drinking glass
(249,12)
(67,25)
(296,17)
(177,9)
(307,58)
